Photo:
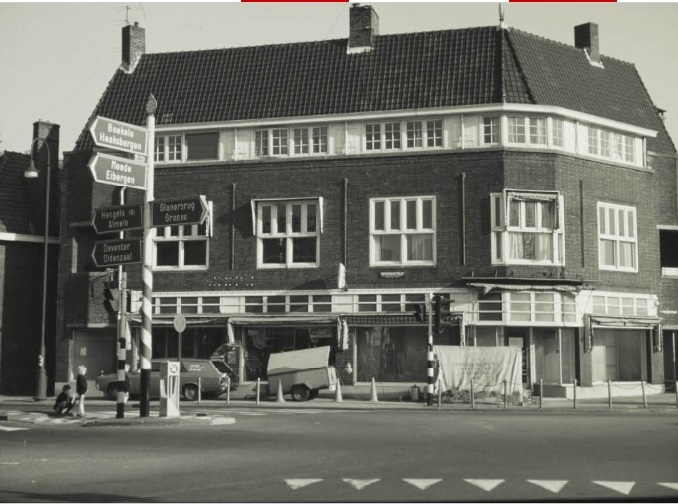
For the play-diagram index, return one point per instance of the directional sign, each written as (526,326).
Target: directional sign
(119,135)
(179,211)
(116,252)
(118,218)
(118,171)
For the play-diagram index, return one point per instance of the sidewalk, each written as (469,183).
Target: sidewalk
(25,409)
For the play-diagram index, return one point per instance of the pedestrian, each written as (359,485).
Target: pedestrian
(64,401)
(81,389)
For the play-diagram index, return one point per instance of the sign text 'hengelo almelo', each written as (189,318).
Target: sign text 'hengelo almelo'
(118,218)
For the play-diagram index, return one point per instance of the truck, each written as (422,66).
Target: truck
(302,373)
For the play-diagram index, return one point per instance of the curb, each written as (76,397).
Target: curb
(152,421)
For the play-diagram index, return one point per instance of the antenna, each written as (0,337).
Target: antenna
(501,16)
(127,8)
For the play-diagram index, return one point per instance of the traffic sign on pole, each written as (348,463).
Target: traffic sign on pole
(115,252)
(118,218)
(179,211)
(118,171)
(119,135)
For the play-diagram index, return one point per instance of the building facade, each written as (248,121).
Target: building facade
(348,179)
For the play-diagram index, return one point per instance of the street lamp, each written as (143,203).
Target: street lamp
(41,375)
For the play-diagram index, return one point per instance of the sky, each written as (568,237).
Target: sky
(57,58)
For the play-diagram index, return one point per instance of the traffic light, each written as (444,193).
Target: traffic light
(440,311)
(420,313)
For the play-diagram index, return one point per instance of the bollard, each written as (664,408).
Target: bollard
(199,389)
(541,392)
(473,397)
(258,385)
(505,396)
(609,395)
(574,394)
(642,387)
(228,390)
(676,389)
(440,394)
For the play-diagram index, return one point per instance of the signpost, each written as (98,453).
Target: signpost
(119,135)
(118,218)
(117,171)
(115,252)
(178,212)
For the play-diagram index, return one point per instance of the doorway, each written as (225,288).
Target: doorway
(521,337)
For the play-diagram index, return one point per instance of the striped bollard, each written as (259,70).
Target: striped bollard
(574,394)
(642,386)
(541,392)
(609,395)
(258,388)
(505,396)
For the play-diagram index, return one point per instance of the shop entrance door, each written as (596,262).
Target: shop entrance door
(547,355)
(521,337)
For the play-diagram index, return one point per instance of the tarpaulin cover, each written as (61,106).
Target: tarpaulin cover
(310,358)
(487,366)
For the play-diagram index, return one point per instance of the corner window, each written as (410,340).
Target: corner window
(490,130)
(288,233)
(527,228)
(557,132)
(181,247)
(402,231)
(527,130)
(617,238)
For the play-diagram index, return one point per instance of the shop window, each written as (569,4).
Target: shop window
(619,355)
(181,247)
(487,336)
(402,231)
(288,234)
(617,238)
(668,251)
(202,146)
(527,228)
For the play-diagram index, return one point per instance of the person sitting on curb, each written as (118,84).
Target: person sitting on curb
(64,401)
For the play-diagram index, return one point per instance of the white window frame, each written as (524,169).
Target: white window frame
(491,128)
(501,229)
(610,145)
(396,136)
(172,150)
(524,126)
(619,236)
(287,234)
(403,231)
(177,234)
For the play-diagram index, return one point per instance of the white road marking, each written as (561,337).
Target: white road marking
(623,487)
(294,484)
(486,484)
(12,429)
(9,463)
(554,486)
(359,484)
(422,484)
(672,486)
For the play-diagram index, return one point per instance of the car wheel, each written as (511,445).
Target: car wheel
(112,391)
(300,393)
(191,392)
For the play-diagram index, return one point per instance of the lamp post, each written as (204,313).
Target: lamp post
(41,375)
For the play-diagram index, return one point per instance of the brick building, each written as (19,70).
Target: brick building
(530,181)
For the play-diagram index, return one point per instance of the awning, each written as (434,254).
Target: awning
(281,320)
(487,287)
(648,323)
(190,321)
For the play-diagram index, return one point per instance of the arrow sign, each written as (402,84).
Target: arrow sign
(116,252)
(118,171)
(118,218)
(180,211)
(119,135)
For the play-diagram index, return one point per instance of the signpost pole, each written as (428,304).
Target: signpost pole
(122,342)
(147,271)
(429,370)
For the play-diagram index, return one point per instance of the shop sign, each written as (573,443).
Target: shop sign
(392,274)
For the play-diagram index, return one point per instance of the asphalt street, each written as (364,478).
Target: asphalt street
(316,455)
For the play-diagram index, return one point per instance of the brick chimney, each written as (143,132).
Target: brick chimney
(364,26)
(133,46)
(586,37)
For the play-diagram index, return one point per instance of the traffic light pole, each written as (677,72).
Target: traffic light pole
(147,270)
(429,355)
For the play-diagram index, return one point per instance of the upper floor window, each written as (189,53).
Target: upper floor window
(181,247)
(491,130)
(402,231)
(668,255)
(297,141)
(617,237)
(168,148)
(202,146)
(557,132)
(527,228)
(417,134)
(611,145)
(529,130)
(288,233)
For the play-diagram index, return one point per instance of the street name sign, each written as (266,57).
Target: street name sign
(119,135)
(116,252)
(117,171)
(118,218)
(179,211)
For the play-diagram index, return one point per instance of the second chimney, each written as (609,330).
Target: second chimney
(133,46)
(364,26)
(586,37)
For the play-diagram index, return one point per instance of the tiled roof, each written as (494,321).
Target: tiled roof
(402,72)
(14,209)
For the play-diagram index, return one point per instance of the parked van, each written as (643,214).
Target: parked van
(302,373)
